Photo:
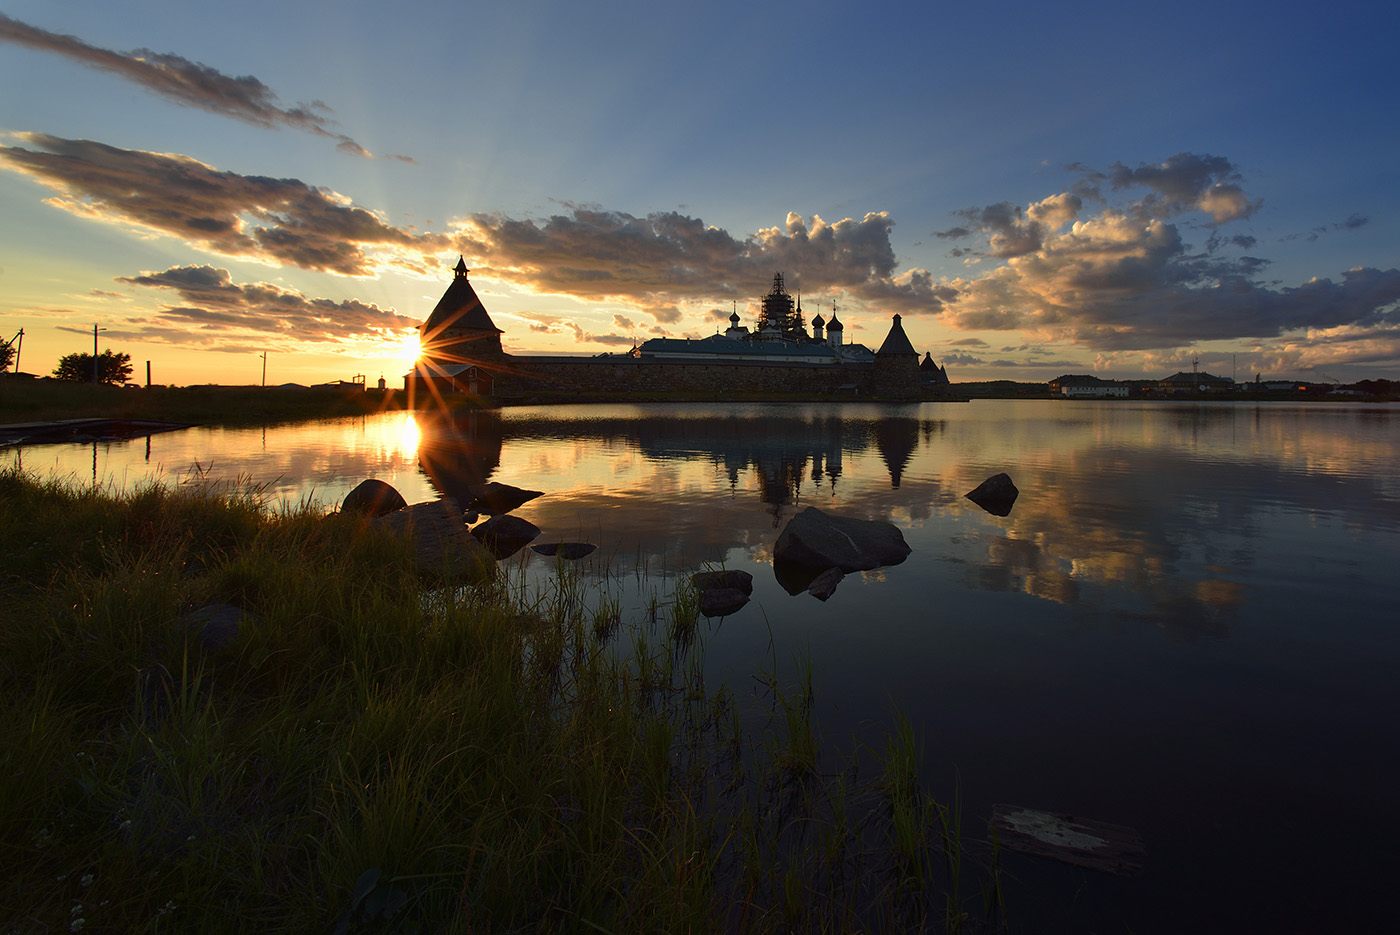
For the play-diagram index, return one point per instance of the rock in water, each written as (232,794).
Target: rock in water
(442,548)
(495,499)
(569,551)
(996,494)
(818,540)
(708,580)
(373,498)
(506,535)
(721,602)
(824,584)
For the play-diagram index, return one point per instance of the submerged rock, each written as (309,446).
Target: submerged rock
(708,580)
(824,584)
(818,541)
(565,550)
(442,547)
(494,498)
(996,494)
(721,602)
(505,535)
(373,498)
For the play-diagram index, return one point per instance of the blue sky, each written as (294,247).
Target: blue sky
(1037,189)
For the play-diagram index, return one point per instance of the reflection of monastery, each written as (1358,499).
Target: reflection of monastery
(461,353)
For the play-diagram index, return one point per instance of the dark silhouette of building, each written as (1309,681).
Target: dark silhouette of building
(460,347)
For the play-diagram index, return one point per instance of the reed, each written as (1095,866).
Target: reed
(371,756)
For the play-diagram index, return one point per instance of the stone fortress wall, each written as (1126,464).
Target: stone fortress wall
(525,375)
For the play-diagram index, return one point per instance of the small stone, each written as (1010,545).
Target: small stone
(739,580)
(996,494)
(824,584)
(721,602)
(570,551)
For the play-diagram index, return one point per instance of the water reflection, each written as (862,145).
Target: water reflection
(1185,624)
(459,451)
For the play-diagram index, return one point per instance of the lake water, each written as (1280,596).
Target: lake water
(1188,624)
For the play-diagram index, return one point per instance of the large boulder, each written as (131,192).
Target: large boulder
(442,547)
(505,535)
(817,540)
(494,498)
(996,494)
(373,498)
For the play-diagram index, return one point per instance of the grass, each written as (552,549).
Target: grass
(375,756)
(52,400)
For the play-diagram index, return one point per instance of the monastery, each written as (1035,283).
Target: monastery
(460,352)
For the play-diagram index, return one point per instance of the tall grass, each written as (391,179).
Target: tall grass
(369,755)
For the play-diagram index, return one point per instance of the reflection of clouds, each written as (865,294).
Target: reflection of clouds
(1163,533)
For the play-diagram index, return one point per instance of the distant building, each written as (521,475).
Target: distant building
(1192,384)
(1086,386)
(930,373)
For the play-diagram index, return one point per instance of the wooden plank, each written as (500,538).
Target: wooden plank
(1095,845)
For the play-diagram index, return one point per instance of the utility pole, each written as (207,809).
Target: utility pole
(17,342)
(264,377)
(95,329)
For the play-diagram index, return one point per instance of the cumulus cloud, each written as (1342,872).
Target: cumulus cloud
(185,82)
(216,311)
(1185,182)
(664,259)
(283,221)
(1122,276)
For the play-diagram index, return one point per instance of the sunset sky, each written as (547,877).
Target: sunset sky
(1037,188)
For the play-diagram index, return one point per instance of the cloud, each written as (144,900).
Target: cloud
(213,311)
(1122,276)
(665,259)
(282,221)
(1184,182)
(185,82)
(658,264)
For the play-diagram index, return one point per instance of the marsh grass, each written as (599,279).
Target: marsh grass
(373,756)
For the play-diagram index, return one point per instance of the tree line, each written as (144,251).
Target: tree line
(79,368)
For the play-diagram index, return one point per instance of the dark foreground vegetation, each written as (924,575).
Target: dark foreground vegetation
(24,400)
(376,754)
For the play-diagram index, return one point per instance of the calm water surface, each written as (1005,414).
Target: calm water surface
(1189,623)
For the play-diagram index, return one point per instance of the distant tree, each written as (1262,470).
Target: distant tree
(7,356)
(111,368)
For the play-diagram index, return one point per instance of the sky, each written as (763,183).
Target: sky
(1038,189)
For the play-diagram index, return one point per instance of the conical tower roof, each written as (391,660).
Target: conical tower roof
(459,308)
(897,343)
